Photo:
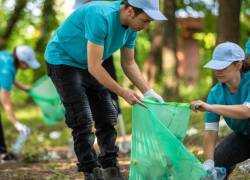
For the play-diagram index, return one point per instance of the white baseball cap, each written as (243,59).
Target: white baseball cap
(150,7)
(79,3)
(224,55)
(26,54)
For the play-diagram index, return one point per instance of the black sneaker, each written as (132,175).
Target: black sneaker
(88,176)
(98,173)
(95,175)
(8,157)
(112,173)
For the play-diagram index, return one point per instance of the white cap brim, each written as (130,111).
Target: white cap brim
(77,5)
(155,15)
(217,65)
(80,3)
(34,64)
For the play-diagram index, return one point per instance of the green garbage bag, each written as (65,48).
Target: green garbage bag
(157,149)
(44,93)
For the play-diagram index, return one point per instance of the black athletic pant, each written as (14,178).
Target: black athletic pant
(2,142)
(232,150)
(108,64)
(87,101)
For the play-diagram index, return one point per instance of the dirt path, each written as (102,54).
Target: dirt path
(53,170)
(66,170)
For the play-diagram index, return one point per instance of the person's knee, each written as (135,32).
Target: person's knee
(221,159)
(77,112)
(83,134)
(82,129)
(218,157)
(108,122)
(106,119)
(78,119)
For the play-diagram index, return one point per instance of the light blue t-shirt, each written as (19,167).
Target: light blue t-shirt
(98,22)
(7,70)
(220,94)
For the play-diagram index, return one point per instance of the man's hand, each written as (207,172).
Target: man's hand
(21,128)
(154,95)
(200,106)
(132,97)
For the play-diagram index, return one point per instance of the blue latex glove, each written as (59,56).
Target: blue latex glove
(214,173)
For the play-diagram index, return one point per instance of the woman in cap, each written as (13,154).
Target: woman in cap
(23,57)
(229,98)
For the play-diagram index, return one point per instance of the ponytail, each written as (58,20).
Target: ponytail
(246,64)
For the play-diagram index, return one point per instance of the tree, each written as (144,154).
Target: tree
(169,58)
(228,27)
(150,66)
(48,24)
(12,21)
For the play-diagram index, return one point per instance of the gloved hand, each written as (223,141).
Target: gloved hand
(21,128)
(154,95)
(208,165)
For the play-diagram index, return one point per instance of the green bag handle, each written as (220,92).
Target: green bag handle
(149,100)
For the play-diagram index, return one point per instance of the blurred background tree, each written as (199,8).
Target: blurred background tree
(171,54)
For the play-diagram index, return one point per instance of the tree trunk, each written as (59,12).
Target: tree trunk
(16,15)
(229,21)
(169,58)
(150,66)
(228,25)
(48,24)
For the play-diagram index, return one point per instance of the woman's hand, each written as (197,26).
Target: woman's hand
(199,105)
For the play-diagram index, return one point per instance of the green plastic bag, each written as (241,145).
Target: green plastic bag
(44,93)
(157,149)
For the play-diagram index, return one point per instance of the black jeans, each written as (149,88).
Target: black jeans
(2,142)
(108,64)
(232,150)
(87,101)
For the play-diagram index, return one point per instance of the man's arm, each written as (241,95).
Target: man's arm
(7,105)
(132,70)
(21,86)
(95,68)
(8,108)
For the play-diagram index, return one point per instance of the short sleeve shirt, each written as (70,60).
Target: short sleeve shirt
(220,94)
(97,22)
(7,70)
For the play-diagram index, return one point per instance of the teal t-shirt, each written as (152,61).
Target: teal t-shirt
(98,22)
(248,46)
(220,94)
(7,70)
